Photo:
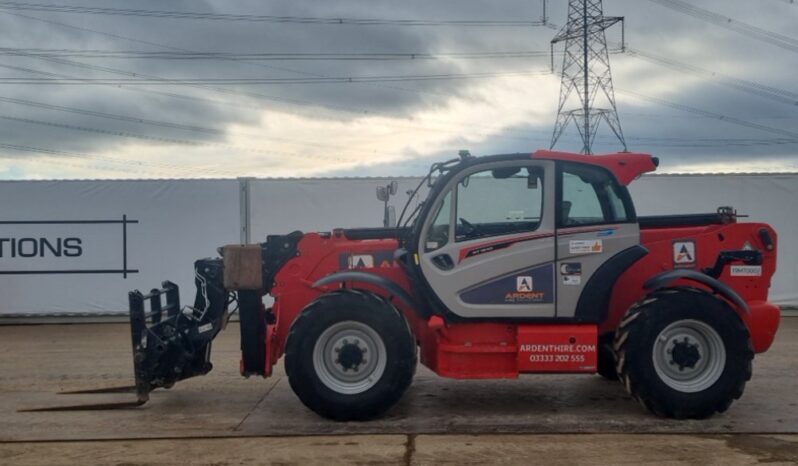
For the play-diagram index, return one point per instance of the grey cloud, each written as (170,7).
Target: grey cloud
(649,27)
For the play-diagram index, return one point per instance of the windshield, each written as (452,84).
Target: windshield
(430,179)
(498,202)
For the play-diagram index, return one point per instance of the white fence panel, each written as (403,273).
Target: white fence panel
(771,199)
(79,246)
(283,205)
(75,247)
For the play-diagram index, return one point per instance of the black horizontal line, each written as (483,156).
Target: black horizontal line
(199,15)
(65,222)
(54,272)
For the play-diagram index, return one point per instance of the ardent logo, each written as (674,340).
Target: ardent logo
(524,291)
(683,252)
(523,283)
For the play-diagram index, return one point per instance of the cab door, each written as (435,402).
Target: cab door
(487,249)
(595,222)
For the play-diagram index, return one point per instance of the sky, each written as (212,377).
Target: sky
(88,93)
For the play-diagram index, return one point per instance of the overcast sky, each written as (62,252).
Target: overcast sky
(724,100)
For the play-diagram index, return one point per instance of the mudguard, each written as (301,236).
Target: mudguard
(666,278)
(388,285)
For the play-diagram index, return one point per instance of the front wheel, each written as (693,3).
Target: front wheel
(683,354)
(350,355)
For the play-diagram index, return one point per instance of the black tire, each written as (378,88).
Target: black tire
(606,357)
(334,399)
(718,379)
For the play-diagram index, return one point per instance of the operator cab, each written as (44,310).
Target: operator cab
(520,237)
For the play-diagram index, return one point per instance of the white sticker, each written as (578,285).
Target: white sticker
(587,246)
(204,328)
(571,280)
(523,283)
(746,270)
(684,252)
(357,261)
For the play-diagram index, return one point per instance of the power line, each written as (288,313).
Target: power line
(263,18)
(713,115)
(264,81)
(111,116)
(83,156)
(221,90)
(176,141)
(58,161)
(294,101)
(426,126)
(221,102)
(217,89)
(748,30)
(764,142)
(658,141)
(751,87)
(760,116)
(158,123)
(654,142)
(142,90)
(267,56)
(650,141)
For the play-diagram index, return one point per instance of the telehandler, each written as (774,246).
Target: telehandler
(514,264)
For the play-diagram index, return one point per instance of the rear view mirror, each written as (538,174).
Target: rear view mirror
(502,173)
(382,193)
(535,174)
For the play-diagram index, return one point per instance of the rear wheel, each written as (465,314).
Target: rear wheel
(683,354)
(350,355)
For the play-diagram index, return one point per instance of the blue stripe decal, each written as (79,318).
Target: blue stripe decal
(530,286)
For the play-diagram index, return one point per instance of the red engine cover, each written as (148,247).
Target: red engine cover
(557,348)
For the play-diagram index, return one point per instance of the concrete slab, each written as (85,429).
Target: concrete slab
(550,404)
(603,449)
(37,361)
(367,449)
(521,449)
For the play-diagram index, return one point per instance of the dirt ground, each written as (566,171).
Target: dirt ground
(225,419)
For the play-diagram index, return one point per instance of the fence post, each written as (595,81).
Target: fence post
(244,209)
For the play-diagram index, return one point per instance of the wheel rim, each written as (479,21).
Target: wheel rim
(349,357)
(689,356)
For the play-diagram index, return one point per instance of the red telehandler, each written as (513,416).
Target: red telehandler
(514,264)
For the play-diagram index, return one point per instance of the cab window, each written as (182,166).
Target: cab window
(591,196)
(499,201)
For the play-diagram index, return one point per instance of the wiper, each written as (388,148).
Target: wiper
(441,167)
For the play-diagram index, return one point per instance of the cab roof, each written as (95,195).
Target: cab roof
(626,166)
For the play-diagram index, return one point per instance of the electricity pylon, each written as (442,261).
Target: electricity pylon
(586,75)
